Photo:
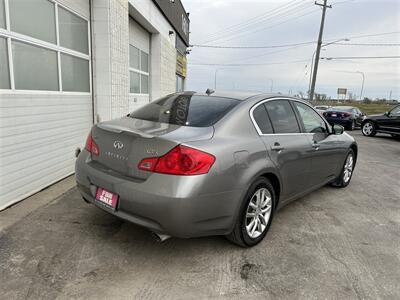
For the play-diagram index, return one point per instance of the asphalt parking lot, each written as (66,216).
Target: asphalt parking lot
(331,244)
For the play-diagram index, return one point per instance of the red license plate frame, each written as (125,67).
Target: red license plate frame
(106,198)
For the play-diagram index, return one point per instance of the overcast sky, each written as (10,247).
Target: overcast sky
(277,22)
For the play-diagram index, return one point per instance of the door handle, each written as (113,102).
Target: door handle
(277,147)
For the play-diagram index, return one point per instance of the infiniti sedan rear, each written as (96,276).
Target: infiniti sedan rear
(192,164)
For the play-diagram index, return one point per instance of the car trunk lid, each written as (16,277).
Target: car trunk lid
(124,142)
(336,114)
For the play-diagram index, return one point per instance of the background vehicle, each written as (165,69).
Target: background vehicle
(348,116)
(321,108)
(191,164)
(389,122)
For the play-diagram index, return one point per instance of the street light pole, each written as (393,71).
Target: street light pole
(362,84)
(215,78)
(272,84)
(312,60)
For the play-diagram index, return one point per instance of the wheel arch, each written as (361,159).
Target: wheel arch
(276,184)
(354,147)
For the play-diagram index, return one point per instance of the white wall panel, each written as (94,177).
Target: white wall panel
(138,36)
(39,133)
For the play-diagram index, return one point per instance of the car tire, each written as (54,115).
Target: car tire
(368,128)
(347,171)
(255,215)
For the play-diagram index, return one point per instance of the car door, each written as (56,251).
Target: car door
(359,117)
(286,146)
(325,148)
(392,121)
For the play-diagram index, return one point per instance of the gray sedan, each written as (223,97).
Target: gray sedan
(193,164)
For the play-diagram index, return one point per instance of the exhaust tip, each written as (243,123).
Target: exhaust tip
(160,237)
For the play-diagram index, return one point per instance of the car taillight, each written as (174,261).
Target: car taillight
(91,146)
(181,160)
(346,114)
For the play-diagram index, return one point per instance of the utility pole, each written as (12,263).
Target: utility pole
(321,30)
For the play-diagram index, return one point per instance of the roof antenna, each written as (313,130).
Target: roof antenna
(209,91)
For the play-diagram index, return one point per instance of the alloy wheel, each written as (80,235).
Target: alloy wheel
(367,128)
(258,212)
(348,168)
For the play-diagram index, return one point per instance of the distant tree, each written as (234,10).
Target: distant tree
(320,97)
(367,100)
(352,96)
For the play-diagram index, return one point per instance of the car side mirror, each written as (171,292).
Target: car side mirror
(337,129)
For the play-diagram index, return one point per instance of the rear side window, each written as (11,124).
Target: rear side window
(282,116)
(186,110)
(262,120)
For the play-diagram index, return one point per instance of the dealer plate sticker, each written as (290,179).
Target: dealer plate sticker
(106,198)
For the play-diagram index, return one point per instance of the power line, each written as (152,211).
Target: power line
(360,57)
(239,65)
(368,44)
(370,35)
(252,47)
(291,45)
(255,19)
(244,31)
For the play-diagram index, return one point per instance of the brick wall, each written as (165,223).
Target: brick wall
(119,42)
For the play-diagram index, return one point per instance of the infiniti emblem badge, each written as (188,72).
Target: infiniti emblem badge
(118,145)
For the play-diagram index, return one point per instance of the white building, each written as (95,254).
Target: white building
(66,64)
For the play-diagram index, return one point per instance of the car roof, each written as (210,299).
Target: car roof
(240,95)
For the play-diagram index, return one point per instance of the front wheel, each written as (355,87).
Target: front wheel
(256,215)
(347,171)
(368,129)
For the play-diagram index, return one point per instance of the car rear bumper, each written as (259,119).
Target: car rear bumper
(180,206)
(343,122)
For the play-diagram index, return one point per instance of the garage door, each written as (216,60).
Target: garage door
(139,65)
(45,93)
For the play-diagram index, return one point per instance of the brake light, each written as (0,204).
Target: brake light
(181,160)
(346,114)
(91,146)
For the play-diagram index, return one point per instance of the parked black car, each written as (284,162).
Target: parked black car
(389,123)
(348,116)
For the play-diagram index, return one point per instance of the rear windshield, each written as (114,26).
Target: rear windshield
(186,110)
(340,108)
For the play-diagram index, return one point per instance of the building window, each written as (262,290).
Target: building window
(179,83)
(4,67)
(74,74)
(42,57)
(34,18)
(138,70)
(73,31)
(134,83)
(134,61)
(144,60)
(2,15)
(35,68)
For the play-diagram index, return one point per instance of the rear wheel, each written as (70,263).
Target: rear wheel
(256,214)
(347,171)
(368,129)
